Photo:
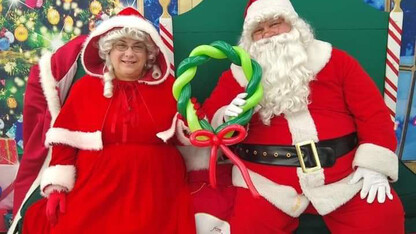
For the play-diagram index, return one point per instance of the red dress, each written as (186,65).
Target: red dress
(135,184)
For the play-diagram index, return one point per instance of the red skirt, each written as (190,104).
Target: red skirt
(125,188)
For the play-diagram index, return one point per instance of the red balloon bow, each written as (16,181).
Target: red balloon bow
(205,138)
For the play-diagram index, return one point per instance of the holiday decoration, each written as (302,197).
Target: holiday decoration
(221,136)
(95,7)
(11,102)
(53,16)
(393,61)
(68,24)
(8,151)
(8,169)
(4,44)
(21,33)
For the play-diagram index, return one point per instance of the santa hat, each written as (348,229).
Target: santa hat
(130,18)
(260,10)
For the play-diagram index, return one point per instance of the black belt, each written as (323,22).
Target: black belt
(286,155)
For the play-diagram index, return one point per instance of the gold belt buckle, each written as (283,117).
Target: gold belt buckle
(314,153)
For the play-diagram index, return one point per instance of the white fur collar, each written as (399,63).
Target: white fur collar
(319,53)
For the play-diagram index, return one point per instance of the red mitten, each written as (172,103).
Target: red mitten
(56,200)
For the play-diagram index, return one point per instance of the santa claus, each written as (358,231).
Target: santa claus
(321,141)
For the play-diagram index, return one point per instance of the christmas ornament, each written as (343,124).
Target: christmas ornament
(53,16)
(4,44)
(68,21)
(21,33)
(11,102)
(68,24)
(34,3)
(9,36)
(77,31)
(67,6)
(79,23)
(95,7)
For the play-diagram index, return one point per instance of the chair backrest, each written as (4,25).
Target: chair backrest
(350,25)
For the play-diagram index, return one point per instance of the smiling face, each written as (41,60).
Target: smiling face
(270,28)
(128,57)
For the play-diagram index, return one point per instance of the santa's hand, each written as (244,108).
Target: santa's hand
(373,183)
(234,108)
(56,200)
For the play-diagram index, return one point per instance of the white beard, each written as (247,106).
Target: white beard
(285,77)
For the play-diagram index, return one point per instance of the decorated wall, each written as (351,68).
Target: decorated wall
(28,28)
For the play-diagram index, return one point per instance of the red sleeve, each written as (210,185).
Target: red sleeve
(63,155)
(366,104)
(226,90)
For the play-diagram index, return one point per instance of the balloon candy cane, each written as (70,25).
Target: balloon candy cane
(203,134)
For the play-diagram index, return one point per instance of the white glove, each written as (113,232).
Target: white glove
(234,108)
(373,183)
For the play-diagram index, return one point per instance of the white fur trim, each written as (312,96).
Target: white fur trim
(49,85)
(195,158)
(62,175)
(131,22)
(77,139)
(328,197)
(167,134)
(312,179)
(218,117)
(281,196)
(301,126)
(319,53)
(238,75)
(377,158)
(52,188)
(206,223)
(260,7)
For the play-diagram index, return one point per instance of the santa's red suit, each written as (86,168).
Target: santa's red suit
(343,100)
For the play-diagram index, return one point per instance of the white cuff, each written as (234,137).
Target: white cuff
(61,175)
(377,158)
